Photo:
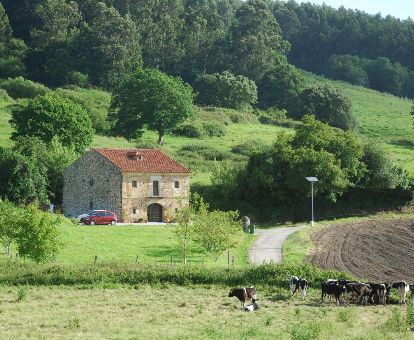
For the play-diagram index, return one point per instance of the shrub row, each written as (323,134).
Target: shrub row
(19,273)
(22,88)
(200,130)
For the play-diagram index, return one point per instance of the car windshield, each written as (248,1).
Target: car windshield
(93,213)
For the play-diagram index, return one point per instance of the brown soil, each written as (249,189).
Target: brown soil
(375,250)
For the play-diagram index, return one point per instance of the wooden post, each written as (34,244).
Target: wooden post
(228,257)
(185,260)
(136,259)
(96,259)
(170,260)
(232,261)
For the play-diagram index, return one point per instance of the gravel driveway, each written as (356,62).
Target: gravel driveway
(268,245)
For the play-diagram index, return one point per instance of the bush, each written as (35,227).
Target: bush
(270,115)
(214,129)
(249,147)
(204,152)
(23,88)
(77,78)
(191,130)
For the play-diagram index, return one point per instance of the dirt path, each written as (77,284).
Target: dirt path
(377,250)
(268,245)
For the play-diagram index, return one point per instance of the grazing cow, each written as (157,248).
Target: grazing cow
(360,289)
(403,289)
(243,294)
(252,307)
(379,292)
(335,289)
(298,284)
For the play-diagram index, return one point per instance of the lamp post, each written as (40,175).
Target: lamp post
(312,180)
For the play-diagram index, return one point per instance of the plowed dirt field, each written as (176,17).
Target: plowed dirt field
(375,250)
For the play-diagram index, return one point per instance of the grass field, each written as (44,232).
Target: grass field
(142,244)
(172,312)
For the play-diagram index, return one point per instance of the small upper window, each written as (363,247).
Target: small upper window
(134,211)
(176,184)
(91,182)
(134,184)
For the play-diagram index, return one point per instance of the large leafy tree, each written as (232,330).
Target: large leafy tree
(256,40)
(316,149)
(328,104)
(12,51)
(52,116)
(23,180)
(110,45)
(226,90)
(153,99)
(280,87)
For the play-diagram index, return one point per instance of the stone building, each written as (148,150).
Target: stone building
(139,185)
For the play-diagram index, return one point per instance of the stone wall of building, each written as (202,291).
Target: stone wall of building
(137,195)
(92,182)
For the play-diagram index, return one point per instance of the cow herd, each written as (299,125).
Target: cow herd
(358,292)
(364,293)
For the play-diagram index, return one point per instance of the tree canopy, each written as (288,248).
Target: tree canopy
(52,116)
(153,99)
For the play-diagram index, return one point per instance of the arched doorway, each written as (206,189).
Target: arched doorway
(154,212)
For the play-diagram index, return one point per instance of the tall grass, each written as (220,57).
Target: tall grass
(19,273)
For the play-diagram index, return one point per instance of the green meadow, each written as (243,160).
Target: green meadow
(137,244)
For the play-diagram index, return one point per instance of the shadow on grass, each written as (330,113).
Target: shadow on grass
(405,143)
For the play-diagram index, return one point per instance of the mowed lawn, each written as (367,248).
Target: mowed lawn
(196,312)
(141,243)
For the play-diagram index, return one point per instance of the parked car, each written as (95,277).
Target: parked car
(100,217)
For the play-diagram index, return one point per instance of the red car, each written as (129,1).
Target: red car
(100,217)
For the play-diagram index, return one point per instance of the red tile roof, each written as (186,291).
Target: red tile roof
(152,160)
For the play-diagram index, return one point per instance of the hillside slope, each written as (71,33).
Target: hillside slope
(382,118)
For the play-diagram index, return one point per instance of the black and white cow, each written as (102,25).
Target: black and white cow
(403,288)
(298,284)
(362,290)
(333,288)
(244,294)
(252,307)
(379,292)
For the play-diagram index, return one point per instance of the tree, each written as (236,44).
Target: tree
(110,46)
(152,98)
(52,116)
(216,230)
(328,104)
(38,237)
(256,40)
(183,229)
(348,68)
(316,148)
(23,180)
(9,225)
(280,87)
(226,90)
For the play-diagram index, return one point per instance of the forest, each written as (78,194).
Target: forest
(94,42)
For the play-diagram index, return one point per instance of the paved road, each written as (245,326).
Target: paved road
(268,245)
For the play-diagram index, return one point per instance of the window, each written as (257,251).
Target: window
(107,213)
(176,184)
(134,184)
(90,205)
(134,211)
(155,188)
(91,182)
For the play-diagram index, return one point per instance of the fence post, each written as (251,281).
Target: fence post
(95,260)
(170,260)
(232,261)
(185,260)
(228,257)
(136,259)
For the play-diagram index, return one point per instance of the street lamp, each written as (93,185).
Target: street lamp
(312,180)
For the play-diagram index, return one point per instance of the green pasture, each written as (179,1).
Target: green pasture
(189,312)
(136,243)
